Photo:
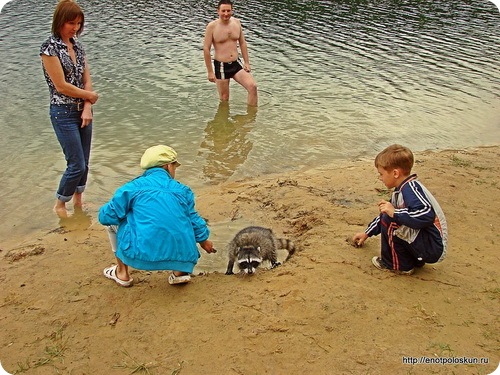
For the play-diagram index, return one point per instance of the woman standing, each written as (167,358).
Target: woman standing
(71,97)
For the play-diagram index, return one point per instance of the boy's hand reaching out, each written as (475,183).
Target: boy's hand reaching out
(359,239)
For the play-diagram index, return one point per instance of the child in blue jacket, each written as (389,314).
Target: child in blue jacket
(412,225)
(152,222)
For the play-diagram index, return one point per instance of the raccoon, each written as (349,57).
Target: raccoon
(253,245)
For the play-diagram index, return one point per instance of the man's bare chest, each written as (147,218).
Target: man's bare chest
(225,33)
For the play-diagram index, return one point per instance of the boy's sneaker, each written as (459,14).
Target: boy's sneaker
(420,263)
(377,262)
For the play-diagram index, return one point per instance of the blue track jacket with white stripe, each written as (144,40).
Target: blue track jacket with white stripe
(416,210)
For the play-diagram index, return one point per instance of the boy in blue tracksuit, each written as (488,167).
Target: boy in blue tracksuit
(152,222)
(412,225)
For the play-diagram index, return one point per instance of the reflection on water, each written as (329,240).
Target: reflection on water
(79,220)
(339,79)
(226,145)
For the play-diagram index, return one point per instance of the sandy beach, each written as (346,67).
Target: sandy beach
(326,310)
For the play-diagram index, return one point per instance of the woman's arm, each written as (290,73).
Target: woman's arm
(54,69)
(87,114)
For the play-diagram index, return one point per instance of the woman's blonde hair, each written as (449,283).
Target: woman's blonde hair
(395,156)
(66,11)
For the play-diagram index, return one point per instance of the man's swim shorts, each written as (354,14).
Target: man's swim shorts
(227,70)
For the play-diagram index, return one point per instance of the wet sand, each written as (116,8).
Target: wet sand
(325,311)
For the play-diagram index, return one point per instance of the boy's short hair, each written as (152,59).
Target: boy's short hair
(395,156)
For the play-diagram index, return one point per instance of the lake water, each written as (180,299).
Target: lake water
(337,80)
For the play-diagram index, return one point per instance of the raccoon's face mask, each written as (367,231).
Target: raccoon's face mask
(249,259)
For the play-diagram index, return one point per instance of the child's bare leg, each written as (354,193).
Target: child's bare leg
(179,273)
(60,209)
(122,270)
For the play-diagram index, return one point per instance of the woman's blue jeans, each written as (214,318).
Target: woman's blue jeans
(75,142)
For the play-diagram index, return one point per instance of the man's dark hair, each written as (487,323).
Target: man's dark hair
(225,2)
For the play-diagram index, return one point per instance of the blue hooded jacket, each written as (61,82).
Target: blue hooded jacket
(158,226)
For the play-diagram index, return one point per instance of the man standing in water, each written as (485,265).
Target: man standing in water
(224,34)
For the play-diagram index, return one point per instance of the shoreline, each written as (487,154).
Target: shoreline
(325,310)
(89,215)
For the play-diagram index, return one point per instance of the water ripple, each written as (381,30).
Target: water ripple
(337,80)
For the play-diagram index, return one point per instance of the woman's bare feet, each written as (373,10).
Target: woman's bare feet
(77,200)
(60,209)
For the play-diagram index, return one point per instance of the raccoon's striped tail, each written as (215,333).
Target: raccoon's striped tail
(284,243)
